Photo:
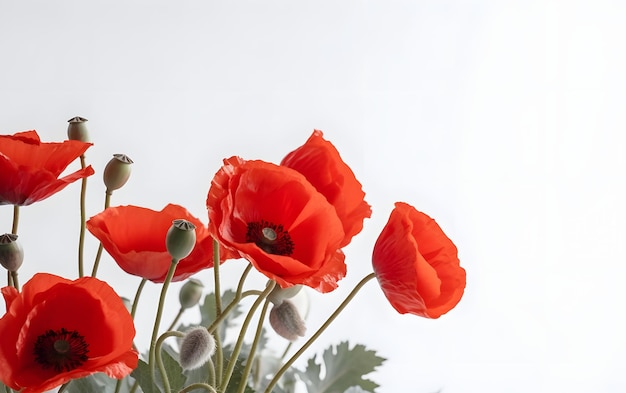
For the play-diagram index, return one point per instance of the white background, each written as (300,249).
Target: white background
(501,119)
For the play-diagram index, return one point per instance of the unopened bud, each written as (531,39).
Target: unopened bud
(180,239)
(117,172)
(190,293)
(77,129)
(11,252)
(279,294)
(196,348)
(286,321)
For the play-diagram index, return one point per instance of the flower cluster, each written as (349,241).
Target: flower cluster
(289,221)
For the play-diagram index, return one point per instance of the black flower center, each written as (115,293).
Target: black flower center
(271,238)
(62,350)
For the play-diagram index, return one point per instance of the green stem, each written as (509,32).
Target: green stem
(157,321)
(16,283)
(198,385)
(63,387)
(137,295)
(233,359)
(238,296)
(96,263)
(259,328)
(118,385)
(159,358)
(286,351)
(16,219)
(219,355)
(176,318)
(81,238)
(319,331)
(12,276)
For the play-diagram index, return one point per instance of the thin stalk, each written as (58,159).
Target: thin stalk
(238,296)
(14,280)
(198,385)
(259,328)
(83,215)
(137,295)
(96,263)
(219,354)
(16,219)
(159,358)
(233,359)
(319,331)
(176,318)
(157,320)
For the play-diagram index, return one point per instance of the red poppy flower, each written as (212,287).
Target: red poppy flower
(417,265)
(135,238)
(319,161)
(57,330)
(30,169)
(273,217)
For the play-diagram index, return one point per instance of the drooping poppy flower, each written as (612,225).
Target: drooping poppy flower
(30,169)
(135,237)
(319,161)
(417,265)
(273,217)
(57,330)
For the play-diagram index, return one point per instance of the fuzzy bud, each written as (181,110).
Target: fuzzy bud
(180,239)
(117,172)
(11,252)
(279,294)
(286,321)
(190,293)
(196,348)
(77,129)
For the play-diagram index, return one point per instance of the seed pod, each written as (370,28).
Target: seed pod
(11,252)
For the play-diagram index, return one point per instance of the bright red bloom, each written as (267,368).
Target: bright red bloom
(135,238)
(57,330)
(417,265)
(30,169)
(273,217)
(319,161)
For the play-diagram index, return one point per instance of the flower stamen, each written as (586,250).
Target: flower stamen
(271,238)
(62,350)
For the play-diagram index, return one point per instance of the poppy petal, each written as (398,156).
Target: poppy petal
(417,265)
(319,161)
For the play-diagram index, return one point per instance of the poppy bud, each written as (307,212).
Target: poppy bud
(286,321)
(196,347)
(190,293)
(117,172)
(11,252)
(180,239)
(279,294)
(77,129)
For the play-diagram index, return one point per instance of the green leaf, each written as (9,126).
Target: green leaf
(93,383)
(142,375)
(236,379)
(174,371)
(344,369)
